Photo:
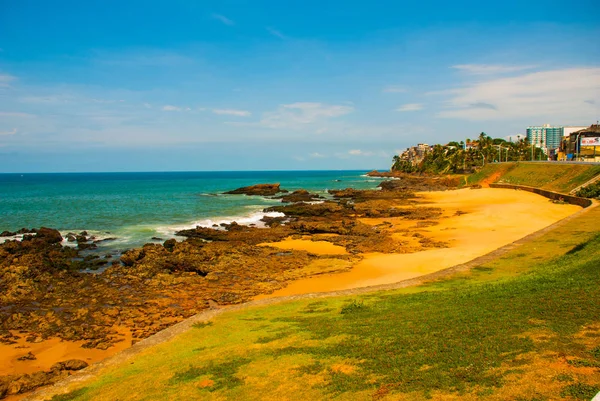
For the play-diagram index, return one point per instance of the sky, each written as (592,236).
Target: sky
(282,85)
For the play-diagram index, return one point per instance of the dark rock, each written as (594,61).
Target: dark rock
(300,195)
(157,239)
(83,245)
(49,235)
(27,357)
(71,364)
(259,189)
(28,382)
(103,239)
(170,244)
(7,234)
(273,221)
(71,238)
(26,231)
(84,233)
(81,238)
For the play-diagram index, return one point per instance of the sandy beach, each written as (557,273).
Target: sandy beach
(474,223)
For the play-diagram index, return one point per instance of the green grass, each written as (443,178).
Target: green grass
(550,176)
(473,335)
(580,391)
(487,171)
(553,177)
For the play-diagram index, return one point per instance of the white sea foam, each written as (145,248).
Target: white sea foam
(18,237)
(247,220)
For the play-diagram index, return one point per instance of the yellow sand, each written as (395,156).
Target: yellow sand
(50,351)
(316,247)
(494,218)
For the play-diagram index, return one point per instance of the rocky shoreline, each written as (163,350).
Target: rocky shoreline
(44,293)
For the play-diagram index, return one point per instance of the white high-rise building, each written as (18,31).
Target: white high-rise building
(549,137)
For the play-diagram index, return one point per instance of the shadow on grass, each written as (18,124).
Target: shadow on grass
(222,374)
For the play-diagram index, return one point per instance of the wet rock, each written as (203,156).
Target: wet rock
(104,239)
(170,244)
(259,189)
(7,234)
(83,245)
(74,364)
(157,239)
(49,235)
(103,346)
(419,183)
(27,357)
(300,195)
(274,221)
(28,382)
(302,209)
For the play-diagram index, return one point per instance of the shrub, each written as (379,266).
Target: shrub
(591,191)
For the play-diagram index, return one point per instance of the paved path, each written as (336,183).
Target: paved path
(96,369)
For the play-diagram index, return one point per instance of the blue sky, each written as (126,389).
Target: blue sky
(272,85)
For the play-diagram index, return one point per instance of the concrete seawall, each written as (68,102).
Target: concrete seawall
(573,200)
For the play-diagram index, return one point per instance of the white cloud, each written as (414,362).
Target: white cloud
(50,99)
(394,89)
(15,114)
(169,107)
(6,79)
(358,152)
(410,107)
(140,58)
(223,19)
(14,131)
(486,69)
(317,155)
(277,33)
(232,112)
(562,95)
(296,115)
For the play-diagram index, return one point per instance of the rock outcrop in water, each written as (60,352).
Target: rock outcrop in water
(259,189)
(300,195)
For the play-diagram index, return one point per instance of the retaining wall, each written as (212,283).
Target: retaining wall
(573,200)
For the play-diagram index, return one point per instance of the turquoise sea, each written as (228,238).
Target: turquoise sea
(134,207)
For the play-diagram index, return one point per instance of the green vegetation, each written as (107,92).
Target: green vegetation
(524,326)
(556,177)
(461,157)
(591,191)
(490,172)
(553,177)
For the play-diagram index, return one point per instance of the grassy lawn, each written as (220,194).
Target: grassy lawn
(489,170)
(524,327)
(553,177)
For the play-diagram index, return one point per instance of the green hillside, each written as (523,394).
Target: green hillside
(550,176)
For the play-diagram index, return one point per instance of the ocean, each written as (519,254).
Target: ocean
(134,207)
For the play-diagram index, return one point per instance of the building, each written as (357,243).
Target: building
(549,137)
(582,145)
(545,136)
